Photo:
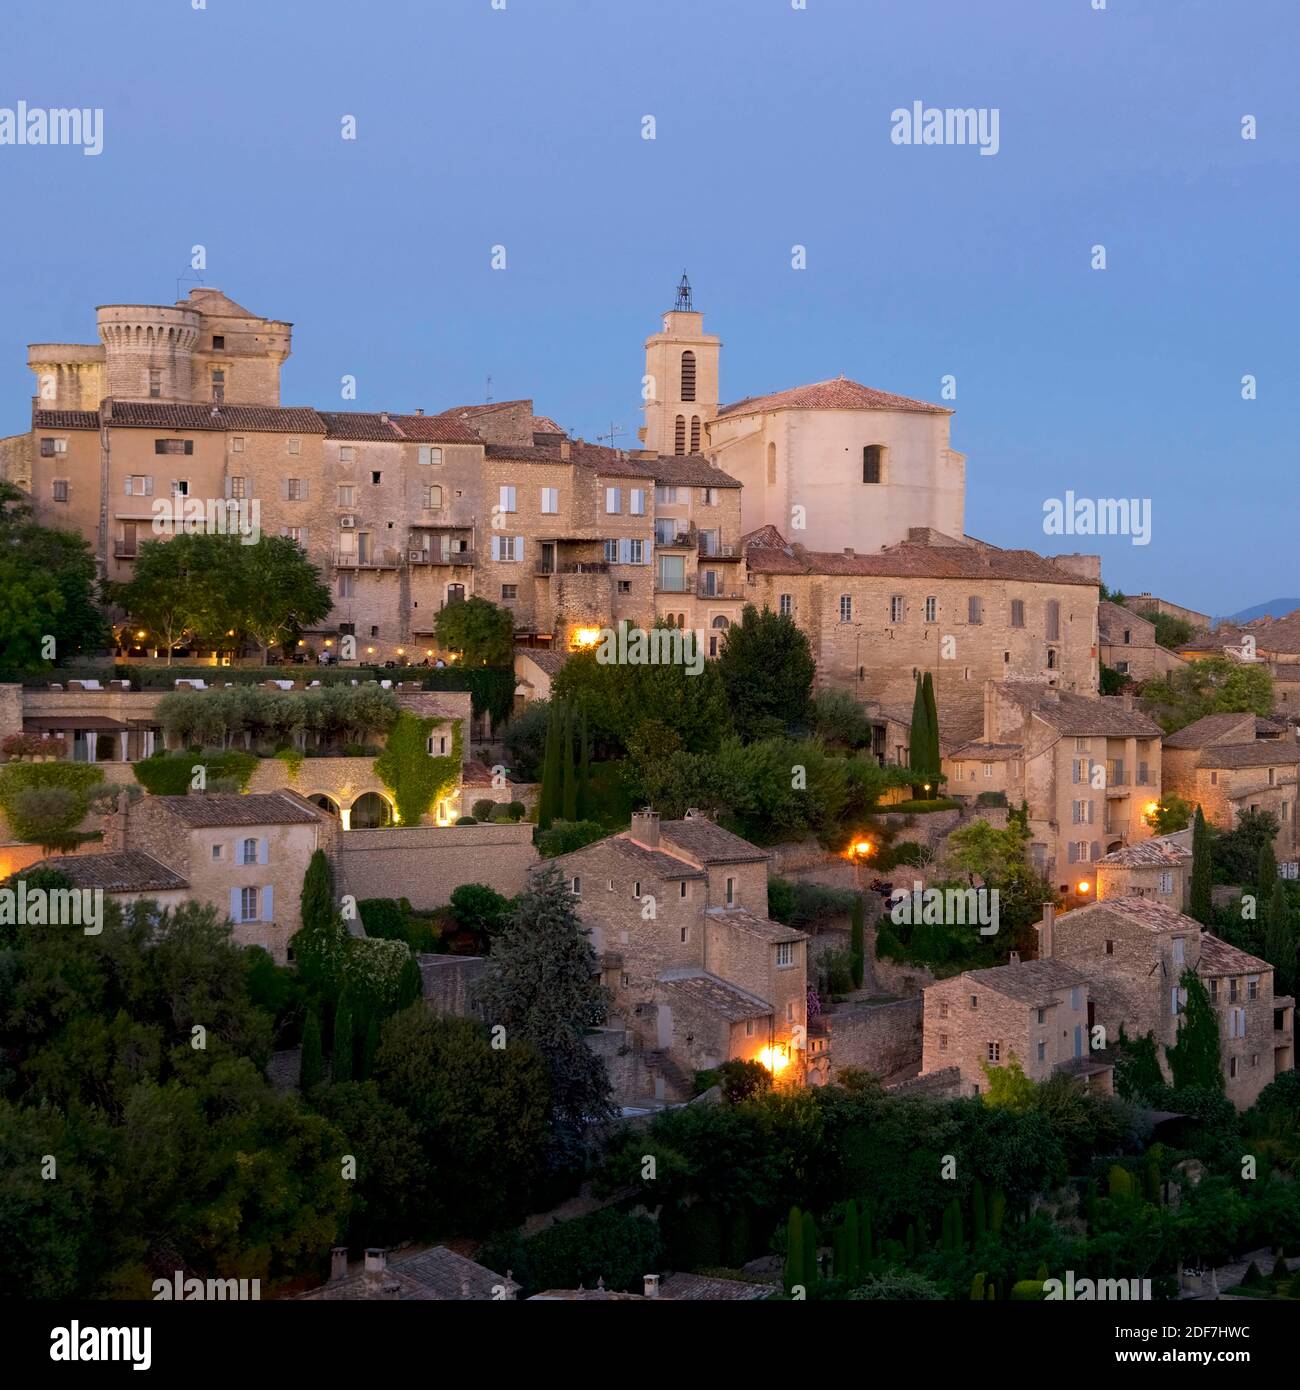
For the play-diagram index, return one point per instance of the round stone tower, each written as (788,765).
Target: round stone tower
(148,350)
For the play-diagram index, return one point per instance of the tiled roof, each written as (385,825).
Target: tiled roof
(837,394)
(910,560)
(1219,958)
(1146,854)
(716,995)
(548,659)
(435,704)
(987,752)
(437,1275)
(360,425)
(1210,729)
(65,419)
(488,407)
(688,470)
(1081,715)
(1280,635)
(258,808)
(654,861)
(1261,753)
(709,843)
(444,428)
(764,538)
(129,871)
(543,424)
(744,920)
(1144,912)
(382,427)
(253,418)
(1029,981)
(703,1288)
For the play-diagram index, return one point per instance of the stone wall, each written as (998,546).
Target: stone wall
(424,863)
(934,1085)
(882,1038)
(448,983)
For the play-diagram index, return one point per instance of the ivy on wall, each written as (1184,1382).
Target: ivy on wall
(415,777)
(169,774)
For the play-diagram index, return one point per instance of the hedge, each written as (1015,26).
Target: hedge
(169,774)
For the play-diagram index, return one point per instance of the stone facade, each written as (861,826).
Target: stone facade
(425,863)
(1128,644)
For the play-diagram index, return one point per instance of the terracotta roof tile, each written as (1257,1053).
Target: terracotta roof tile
(204,810)
(689,470)
(1219,958)
(709,843)
(1262,753)
(252,418)
(129,871)
(716,995)
(1029,981)
(837,394)
(65,419)
(1211,729)
(1081,715)
(1146,854)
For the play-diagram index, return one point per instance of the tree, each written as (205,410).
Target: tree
(1280,939)
(1172,813)
(918,741)
(168,594)
(767,669)
(341,1063)
(1194,1058)
(320,944)
(1009,1087)
(47,588)
(839,720)
(1171,632)
(525,740)
(481,632)
(312,1071)
(277,590)
(584,769)
(933,755)
(478,908)
(569,791)
(541,986)
(550,803)
(1266,876)
(1200,904)
(1236,852)
(1215,685)
(857,945)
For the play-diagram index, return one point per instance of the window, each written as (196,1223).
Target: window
(1110,947)
(237,444)
(1053,619)
(1017,612)
(988,770)
(974,1001)
(613,500)
(218,383)
(1252,986)
(1272,776)
(52,447)
(1042,1015)
(995,1052)
(297,534)
(931,609)
(943,1008)
(1214,779)
(1128,636)
(872,459)
(59,489)
(636,502)
(636,552)
(974,609)
(431,498)
(1232,1066)
(248,904)
(430,456)
(180,487)
(1076,997)
(437,745)
(1167,882)
(1214,991)
(1051,658)
(295,447)
(575,886)
(347,454)
(173,446)
(346,582)
(709,496)
(695,434)
(376,477)
(508,548)
(896,609)
(625,586)
(681,889)
(509,591)
(943,1042)
(679,435)
(785,605)
(688,375)
(293,489)
(1232,990)
(685,935)
(731,892)
(846,608)
(216,851)
(611,552)
(248,852)
(665,493)
(155,383)
(218,341)
(1237,1023)
(784,954)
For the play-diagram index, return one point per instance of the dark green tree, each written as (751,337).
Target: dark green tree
(794,1262)
(341,1064)
(767,669)
(933,756)
(1194,1058)
(479,630)
(584,767)
(321,943)
(569,794)
(1280,940)
(550,803)
(1200,905)
(313,1064)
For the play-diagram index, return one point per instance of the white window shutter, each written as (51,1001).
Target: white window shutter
(302,537)
(128,487)
(1074,853)
(268,904)
(263,852)
(234,904)
(496,547)
(1092,809)
(624,551)
(284,489)
(148,487)
(304,487)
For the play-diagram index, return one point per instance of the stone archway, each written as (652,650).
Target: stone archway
(370,811)
(326,803)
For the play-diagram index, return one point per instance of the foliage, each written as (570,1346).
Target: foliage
(857,943)
(34,746)
(1236,852)
(1137,1067)
(803,904)
(550,799)
(331,716)
(1009,1087)
(839,721)
(321,943)
(767,669)
(1194,1058)
(478,908)
(525,740)
(542,987)
(1216,685)
(416,777)
(606,1247)
(1113,682)
(479,631)
(171,774)
(45,802)
(312,1069)
(1172,813)
(1170,632)
(897,1284)
(565,836)
(1280,940)
(740,1080)
(1200,898)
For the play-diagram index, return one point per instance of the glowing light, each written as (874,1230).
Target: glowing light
(586,637)
(401,651)
(142,634)
(925,786)
(428,651)
(1085,886)
(301,643)
(328,642)
(370,651)
(862,847)
(1151,808)
(775,1059)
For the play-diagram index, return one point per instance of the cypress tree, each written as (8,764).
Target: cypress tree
(341,1064)
(1279,939)
(1194,1058)
(584,768)
(977,1288)
(1199,904)
(570,794)
(370,1046)
(811,1273)
(919,739)
(958,1226)
(851,1245)
(548,806)
(313,1064)
(794,1250)
(864,1237)
(979,1220)
(997,1211)
(933,760)
(857,943)
(1266,876)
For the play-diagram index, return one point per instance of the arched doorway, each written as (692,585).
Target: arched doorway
(326,803)
(370,812)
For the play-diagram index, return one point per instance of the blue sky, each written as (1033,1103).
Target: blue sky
(522,127)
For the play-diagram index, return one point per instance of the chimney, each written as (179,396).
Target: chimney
(376,1261)
(565,450)
(419,412)
(383,417)
(645,828)
(338,1263)
(848,551)
(652,1286)
(1127,697)
(1014,958)
(1045,931)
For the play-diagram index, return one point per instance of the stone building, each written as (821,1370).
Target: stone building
(1159,868)
(1089,769)
(1035,1011)
(1127,644)
(128,876)
(697,972)
(1231,763)
(1134,952)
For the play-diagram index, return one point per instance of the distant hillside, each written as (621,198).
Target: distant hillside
(1274,608)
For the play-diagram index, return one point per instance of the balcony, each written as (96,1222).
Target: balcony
(350,560)
(572,567)
(124,550)
(718,592)
(720,551)
(417,556)
(688,539)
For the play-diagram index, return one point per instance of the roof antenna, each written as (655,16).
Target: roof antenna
(684,300)
(487,393)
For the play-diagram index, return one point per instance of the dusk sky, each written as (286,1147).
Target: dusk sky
(523,127)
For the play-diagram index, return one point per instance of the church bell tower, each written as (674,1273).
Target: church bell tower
(680,390)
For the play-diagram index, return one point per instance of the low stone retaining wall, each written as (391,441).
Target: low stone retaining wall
(424,863)
(882,1038)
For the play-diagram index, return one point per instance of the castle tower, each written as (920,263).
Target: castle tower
(681,390)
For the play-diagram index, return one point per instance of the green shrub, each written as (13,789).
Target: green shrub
(476,907)
(910,853)
(170,774)
(383,918)
(991,799)
(565,836)
(1027,1290)
(483,808)
(517,810)
(466,820)
(608,1245)
(416,777)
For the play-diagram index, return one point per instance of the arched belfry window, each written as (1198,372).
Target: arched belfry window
(695,434)
(688,375)
(679,442)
